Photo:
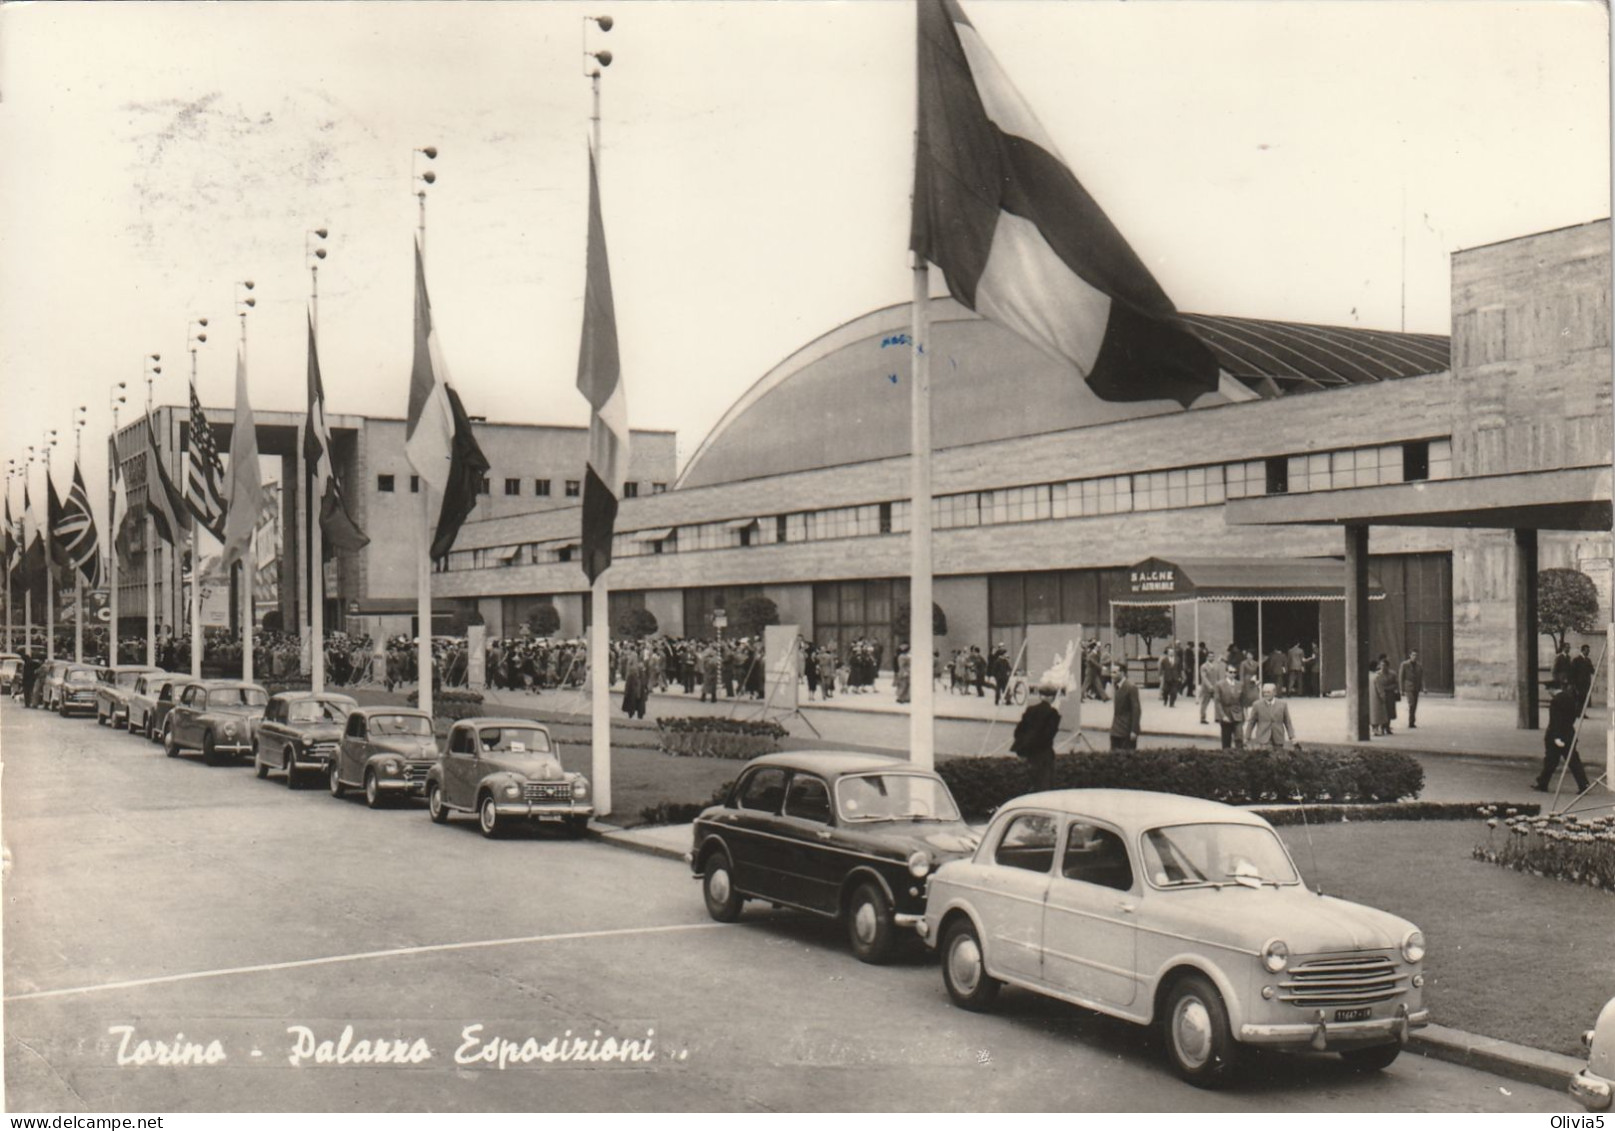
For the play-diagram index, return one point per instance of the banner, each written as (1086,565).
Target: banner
(782,659)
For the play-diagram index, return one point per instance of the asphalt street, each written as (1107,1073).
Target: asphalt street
(148,897)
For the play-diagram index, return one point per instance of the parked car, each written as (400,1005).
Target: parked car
(76,691)
(47,682)
(1593,1085)
(112,697)
(214,716)
(386,751)
(153,697)
(506,771)
(1177,912)
(847,836)
(10,672)
(299,733)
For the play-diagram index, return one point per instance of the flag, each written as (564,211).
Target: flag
(74,531)
(31,558)
(246,478)
(438,438)
(123,518)
(600,381)
(163,502)
(54,514)
(1022,243)
(13,548)
(336,524)
(204,493)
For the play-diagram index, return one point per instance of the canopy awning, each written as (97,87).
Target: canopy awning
(1158,581)
(741,524)
(507,553)
(661,535)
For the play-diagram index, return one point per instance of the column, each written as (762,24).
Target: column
(1527,698)
(1357,643)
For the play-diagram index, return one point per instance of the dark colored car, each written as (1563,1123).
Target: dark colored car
(77,690)
(112,697)
(215,716)
(153,697)
(848,836)
(506,771)
(385,751)
(299,733)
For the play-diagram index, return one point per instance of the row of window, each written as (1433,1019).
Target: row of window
(1205,485)
(387,484)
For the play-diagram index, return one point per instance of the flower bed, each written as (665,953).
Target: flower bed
(1393,811)
(1578,848)
(451,704)
(682,812)
(707,737)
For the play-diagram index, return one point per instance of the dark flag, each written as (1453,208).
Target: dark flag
(600,380)
(1019,239)
(163,501)
(340,532)
(54,514)
(74,531)
(205,474)
(31,556)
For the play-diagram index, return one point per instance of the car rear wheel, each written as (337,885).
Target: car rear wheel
(1199,1042)
(869,924)
(435,808)
(1373,1058)
(291,769)
(259,766)
(372,790)
(964,970)
(488,818)
(335,781)
(718,888)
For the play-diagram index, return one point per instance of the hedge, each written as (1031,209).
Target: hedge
(1237,777)
(451,703)
(710,737)
(682,812)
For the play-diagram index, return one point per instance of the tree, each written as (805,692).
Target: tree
(635,624)
(1567,601)
(752,614)
(1151,622)
(939,623)
(544,620)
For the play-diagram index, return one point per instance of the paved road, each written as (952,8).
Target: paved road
(163,897)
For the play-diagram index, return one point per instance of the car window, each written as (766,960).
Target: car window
(412,726)
(513,740)
(905,796)
(460,743)
(1096,856)
(1028,843)
(764,790)
(314,711)
(190,696)
(809,799)
(356,726)
(1184,855)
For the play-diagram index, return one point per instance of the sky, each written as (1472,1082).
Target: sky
(1286,159)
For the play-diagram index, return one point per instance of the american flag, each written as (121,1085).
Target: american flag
(75,531)
(204,493)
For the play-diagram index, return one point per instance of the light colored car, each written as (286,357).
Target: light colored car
(112,697)
(215,716)
(153,697)
(299,732)
(10,672)
(1593,1085)
(506,772)
(385,751)
(1176,912)
(77,690)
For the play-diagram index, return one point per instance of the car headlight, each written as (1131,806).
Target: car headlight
(513,790)
(919,864)
(391,766)
(229,730)
(1413,946)
(580,788)
(1275,955)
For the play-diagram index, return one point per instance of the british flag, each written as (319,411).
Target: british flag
(74,531)
(204,478)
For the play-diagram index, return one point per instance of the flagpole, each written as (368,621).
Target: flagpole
(423,560)
(921,720)
(114,470)
(249,562)
(599,593)
(78,574)
(316,535)
(11,467)
(50,571)
(197,632)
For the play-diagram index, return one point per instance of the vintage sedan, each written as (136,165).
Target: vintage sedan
(10,672)
(112,697)
(386,751)
(299,733)
(77,690)
(47,683)
(1593,1085)
(1182,913)
(853,837)
(153,697)
(506,772)
(214,716)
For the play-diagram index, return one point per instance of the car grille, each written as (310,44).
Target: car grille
(1356,980)
(323,749)
(547,791)
(415,772)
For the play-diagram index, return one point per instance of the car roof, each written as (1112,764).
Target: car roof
(136,668)
(298,696)
(384,709)
(835,762)
(230,685)
(1135,808)
(495,721)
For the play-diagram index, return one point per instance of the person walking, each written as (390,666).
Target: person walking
(1127,714)
(1169,677)
(1378,723)
(1410,680)
(1210,669)
(1297,664)
(1559,740)
(998,671)
(1268,721)
(1581,674)
(1250,678)
(1034,738)
(904,675)
(1229,697)
(711,666)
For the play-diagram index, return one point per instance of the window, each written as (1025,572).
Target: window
(657,488)
(746,533)
(781,534)
(1096,856)
(356,725)
(630,489)
(1278,476)
(513,486)
(384,484)
(764,790)
(1028,843)
(483,486)
(414,484)
(808,799)
(573,488)
(1415,460)
(885,518)
(541,487)
(461,742)
(1441,459)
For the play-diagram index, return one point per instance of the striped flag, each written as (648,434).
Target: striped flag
(246,477)
(31,557)
(204,493)
(74,531)
(1019,239)
(600,380)
(53,517)
(336,523)
(163,502)
(13,552)
(123,518)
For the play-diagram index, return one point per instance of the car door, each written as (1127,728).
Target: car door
(1090,926)
(756,844)
(1012,910)
(460,768)
(350,751)
(811,868)
(185,714)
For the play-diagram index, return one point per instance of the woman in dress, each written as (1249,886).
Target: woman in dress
(1377,723)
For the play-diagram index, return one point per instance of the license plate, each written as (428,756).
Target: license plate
(550,817)
(1351,1015)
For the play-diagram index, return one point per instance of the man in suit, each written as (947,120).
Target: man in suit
(1230,702)
(1410,677)
(1250,678)
(1268,721)
(1210,669)
(1559,740)
(1034,738)
(1581,674)
(1169,677)
(1127,713)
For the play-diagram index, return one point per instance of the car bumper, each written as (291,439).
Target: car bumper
(1590,1091)
(85,705)
(543,811)
(401,785)
(1322,1035)
(236,748)
(312,760)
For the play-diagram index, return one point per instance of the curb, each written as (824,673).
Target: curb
(619,838)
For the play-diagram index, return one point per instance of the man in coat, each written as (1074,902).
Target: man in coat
(1169,677)
(1127,713)
(1230,702)
(1581,674)
(1559,740)
(1410,677)
(1034,738)
(998,671)
(1210,669)
(1267,723)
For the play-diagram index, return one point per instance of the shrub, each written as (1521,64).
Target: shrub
(1575,847)
(635,624)
(717,737)
(451,703)
(1567,601)
(544,620)
(1394,811)
(682,812)
(753,614)
(1237,777)
(1149,622)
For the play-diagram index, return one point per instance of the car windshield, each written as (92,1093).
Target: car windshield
(83,675)
(513,740)
(894,797)
(1220,855)
(127,679)
(236,697)
(316,711)
(386,726)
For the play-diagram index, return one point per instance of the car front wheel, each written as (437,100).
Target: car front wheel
(335,781)
(869,924)
(291,769)
(170,743)
(964,970)
(435,808)
(1373,1058)
(488,818)
(372,790)
(1199,1042)
(718,889)
(210,753)
(259,766)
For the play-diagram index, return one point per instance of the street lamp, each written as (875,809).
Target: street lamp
(602,57)
(426,178)
(150,370)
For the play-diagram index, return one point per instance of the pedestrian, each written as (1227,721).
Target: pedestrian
(1268,721)
(998,671)
(1210,669)
(1127,715)
(1169,677)
(1561,666)
(1309,671)
(1034,738)
(1229,697)
(1378,720)
(1250,679)
(978,671)
(1410,680)
(904,676)
(1559,740)
(711,666)
(1295,670)
(1581,674)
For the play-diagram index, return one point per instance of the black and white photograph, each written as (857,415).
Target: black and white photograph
(822,556)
